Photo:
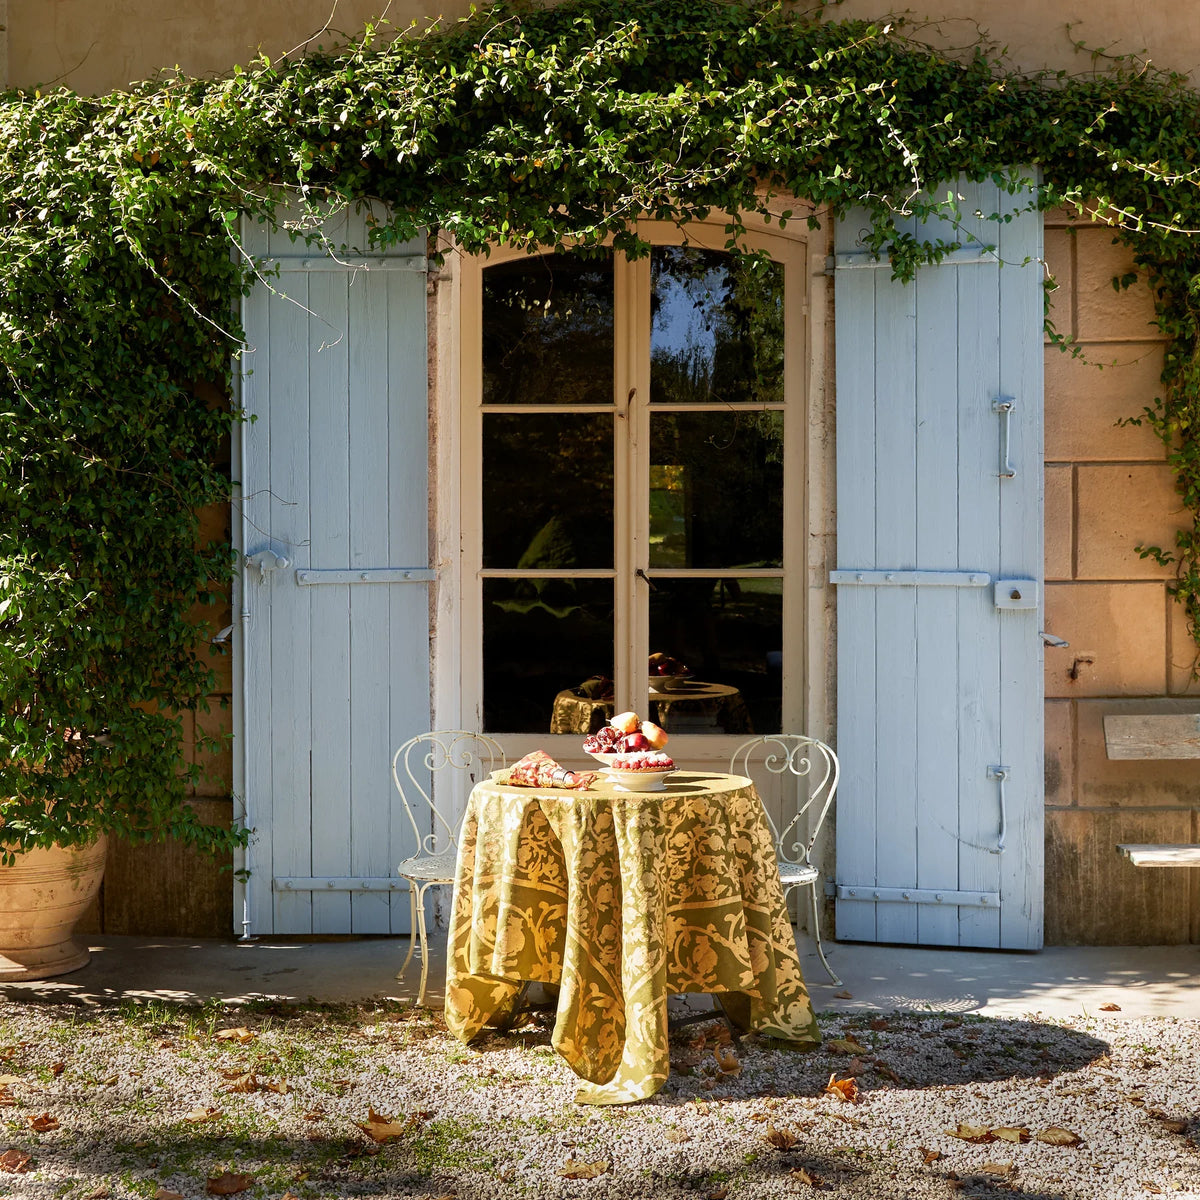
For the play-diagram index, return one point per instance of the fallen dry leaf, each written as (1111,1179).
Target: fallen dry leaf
(1057,1136)
(929,1156)
(239,1034)
(57,1068)
(675,1134)
(573,1168)
(14,1161)
(718,1194)
(887,1072)
(315,1114)
(201,1114)
(1110,1007)
(228,1183)
(845,1046)
(380,1128)
(880,1023)
(43,1123)
(727,1060)
(1169,1123)
(1011,1133)
(843,1089)
(246,1082)
(800,1175)
(781,1139)
(100,1193)
(972,1133)
(841,1117)
(997,1168)
(843,995)
(1153,1188)
(165,1194)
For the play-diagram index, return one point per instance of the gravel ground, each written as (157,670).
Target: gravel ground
(278,1101)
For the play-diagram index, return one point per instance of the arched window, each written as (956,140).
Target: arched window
(632,498)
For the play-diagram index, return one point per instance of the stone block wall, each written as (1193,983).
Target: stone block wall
(1109,489)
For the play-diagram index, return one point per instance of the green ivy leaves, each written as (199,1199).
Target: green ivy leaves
(119,278)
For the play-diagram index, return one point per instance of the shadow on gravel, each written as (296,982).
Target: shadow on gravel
(898,1050)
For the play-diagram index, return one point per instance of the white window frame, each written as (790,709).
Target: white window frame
(457,418)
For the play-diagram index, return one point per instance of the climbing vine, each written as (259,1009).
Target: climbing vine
(120,273)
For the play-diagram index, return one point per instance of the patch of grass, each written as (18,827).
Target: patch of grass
(450,1139)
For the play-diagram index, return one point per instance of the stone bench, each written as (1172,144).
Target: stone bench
(1156,736)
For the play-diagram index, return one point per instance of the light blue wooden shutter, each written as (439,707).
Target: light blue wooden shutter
(336,655)
(939,578)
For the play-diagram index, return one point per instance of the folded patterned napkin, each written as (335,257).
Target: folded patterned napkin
(540,770)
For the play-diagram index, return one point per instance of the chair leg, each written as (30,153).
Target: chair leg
(424,946)
(412,929)
(816,932)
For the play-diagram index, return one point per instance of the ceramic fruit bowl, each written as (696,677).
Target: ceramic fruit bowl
(606,759)
(669,683)
(637,781)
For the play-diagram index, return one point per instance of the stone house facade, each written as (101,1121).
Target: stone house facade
(1108,486)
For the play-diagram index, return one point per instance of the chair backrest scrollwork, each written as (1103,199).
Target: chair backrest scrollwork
(414,765)
(815,767)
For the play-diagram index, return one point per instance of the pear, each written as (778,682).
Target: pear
(656,735)
(626,722)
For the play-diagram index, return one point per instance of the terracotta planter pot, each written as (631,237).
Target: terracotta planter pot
(42,895)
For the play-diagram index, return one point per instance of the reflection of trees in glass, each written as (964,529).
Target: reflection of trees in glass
(731,465)
(547,490)
(716,327)
(548,331)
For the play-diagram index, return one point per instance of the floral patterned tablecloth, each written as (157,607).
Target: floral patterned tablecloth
(620,899)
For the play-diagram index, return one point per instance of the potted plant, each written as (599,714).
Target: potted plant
(107,463)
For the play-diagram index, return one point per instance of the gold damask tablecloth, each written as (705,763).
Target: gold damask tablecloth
(620,899)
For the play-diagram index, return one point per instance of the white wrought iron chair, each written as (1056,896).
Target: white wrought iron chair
(816,769)
(474,754)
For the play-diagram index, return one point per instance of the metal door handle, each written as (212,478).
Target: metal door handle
(1004,405)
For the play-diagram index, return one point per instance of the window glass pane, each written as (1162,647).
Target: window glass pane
(716,489)
(723,639)
(547,490)
(548,331)
(716,332)
(541,637)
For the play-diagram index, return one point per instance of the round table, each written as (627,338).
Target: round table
(620,899)
(691,707)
